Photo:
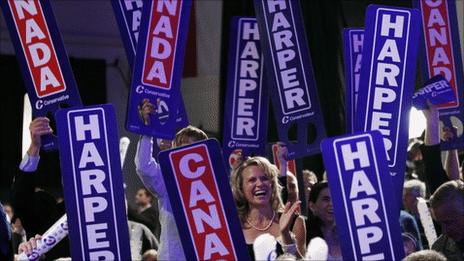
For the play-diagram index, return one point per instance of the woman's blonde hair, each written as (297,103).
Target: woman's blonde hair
(236,183)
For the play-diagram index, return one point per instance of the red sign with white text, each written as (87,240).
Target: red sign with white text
(201,202)
(160,48)
(37,46)
(439,44)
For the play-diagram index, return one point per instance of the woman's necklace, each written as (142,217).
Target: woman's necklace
(263,229)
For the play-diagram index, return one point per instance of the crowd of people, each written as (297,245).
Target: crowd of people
(267,201)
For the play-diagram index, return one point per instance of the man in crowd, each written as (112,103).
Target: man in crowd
(146,212)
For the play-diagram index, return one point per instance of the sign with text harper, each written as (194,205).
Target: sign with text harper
(247,98)
(437,90)
(362,196)
(353,43)
(43,59)
(206,217)
(158,67)
(387,81)
(290,75)
(129,14)
(441,54)
(93,184)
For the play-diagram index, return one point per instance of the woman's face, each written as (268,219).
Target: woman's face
(257,186)
(323,208)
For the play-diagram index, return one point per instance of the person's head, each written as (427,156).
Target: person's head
(150,255)
(412,189)
(189,135)
(447,208)
(309,179)
(425,255)
(143,197)
(254,184)
(320,202)
(292,185)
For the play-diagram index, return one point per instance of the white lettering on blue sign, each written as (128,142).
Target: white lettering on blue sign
(92,194)
(363,201)
(134,6)
(249,67)
(288,66)
(357,42)
(389,65)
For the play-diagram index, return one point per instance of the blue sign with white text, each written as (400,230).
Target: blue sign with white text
(93,183)
(353,43)
(387,81)
(247,98)
(290,75)
(437,90)
(361,188)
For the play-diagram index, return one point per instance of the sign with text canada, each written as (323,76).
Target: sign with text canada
(441,55)
(43,59)
(158,68)
(205,213)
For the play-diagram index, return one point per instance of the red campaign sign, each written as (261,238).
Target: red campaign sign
(291,166)
(37,46)
(439,44)
(201,203)
(160,49)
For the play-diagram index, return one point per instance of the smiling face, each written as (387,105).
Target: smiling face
(323,208)
(257,186)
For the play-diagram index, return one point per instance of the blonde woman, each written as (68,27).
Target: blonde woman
(257,196)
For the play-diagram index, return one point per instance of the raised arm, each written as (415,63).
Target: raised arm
(147,168)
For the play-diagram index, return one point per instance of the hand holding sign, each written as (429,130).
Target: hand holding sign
(38,127)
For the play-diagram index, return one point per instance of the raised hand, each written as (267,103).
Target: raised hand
(38,127)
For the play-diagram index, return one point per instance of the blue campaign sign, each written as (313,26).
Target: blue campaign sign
(93,184)
(158,67)
(43,59)
(290,75)
(441,55)
(387,81)
(352,54)
(205,213)
(437,90)
(247,98)
(129,15)
(361,188)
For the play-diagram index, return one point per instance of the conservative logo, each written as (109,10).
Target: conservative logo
(38,48)
(160,48)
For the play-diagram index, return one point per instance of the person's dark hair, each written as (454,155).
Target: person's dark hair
(425,255)
(451,191)
(316,190)
(147,193)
